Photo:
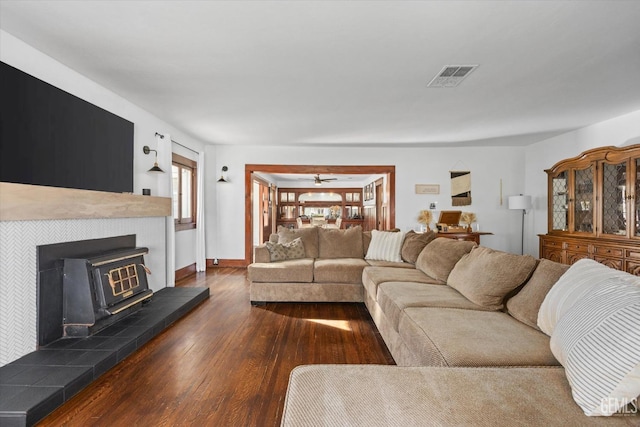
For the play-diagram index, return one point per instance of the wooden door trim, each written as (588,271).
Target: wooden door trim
(249,169)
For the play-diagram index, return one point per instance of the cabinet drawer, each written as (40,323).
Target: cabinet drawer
(553,254)
(610,262)
(632,267)
(632,254)
(552,243)
(573,257)
(607,251)
(578,247)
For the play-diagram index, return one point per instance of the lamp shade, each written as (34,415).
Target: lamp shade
(519,202)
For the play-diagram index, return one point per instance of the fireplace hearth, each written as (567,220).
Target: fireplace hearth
(95,308)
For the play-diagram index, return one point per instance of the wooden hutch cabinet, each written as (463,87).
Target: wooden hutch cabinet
(594,209)
(330,204)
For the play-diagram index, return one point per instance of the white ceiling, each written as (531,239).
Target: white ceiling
(350,72)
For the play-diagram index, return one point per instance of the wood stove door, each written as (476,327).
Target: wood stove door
(120,280)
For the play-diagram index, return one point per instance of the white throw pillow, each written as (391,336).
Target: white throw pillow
(578,281)
(385,246)
(598,343)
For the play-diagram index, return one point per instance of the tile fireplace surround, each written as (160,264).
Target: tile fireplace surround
(19,239)
(32,216)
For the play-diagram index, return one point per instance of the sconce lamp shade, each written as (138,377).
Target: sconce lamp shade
(224,169)
(155,167)
(519,202)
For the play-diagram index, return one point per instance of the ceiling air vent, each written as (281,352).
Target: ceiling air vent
(451,75)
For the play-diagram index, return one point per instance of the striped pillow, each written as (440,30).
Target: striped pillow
(385,246)
(579,280)
(598,343)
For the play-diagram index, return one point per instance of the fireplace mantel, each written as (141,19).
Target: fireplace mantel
(22,202)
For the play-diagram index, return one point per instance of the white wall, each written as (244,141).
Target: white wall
(488,165)
(22,56)
(18,239)
(620,131)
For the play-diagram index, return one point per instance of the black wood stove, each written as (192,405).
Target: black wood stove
(102,289)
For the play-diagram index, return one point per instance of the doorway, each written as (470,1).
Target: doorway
(252,197)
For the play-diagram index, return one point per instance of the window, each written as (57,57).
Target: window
(184,172)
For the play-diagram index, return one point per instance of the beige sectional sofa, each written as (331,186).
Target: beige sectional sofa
(329,270)
(463,323)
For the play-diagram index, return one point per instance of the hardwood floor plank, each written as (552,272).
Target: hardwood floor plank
(226,363)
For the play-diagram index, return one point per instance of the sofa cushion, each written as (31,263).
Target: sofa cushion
(385,246)
(439,257)
(377,263)
(373,276)
(366,240)
(486,276)
(339,270)
(459,337)
(579,280)
(305,292)
(414,243)
(339,243)
(525,305)
(295,270)
(284,251)
(374,395)
(598,343)
(394,297)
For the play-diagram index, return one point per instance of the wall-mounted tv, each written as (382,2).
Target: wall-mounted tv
(50,137)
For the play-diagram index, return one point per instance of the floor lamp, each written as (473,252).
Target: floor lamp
(520,203)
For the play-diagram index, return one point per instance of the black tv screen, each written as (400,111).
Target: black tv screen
(50,137)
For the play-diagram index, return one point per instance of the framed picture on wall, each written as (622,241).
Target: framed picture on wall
(368,192)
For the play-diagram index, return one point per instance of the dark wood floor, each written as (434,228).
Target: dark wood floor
(226,363)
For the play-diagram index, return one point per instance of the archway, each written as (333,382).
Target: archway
(389,171)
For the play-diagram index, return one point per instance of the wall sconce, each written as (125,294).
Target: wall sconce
(155,167)
(224,169)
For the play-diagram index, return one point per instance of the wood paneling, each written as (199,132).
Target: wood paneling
(226,363)
(21,202)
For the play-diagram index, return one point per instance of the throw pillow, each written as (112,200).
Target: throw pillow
(414,243)
(578,281)
(309,238)
(524,306)
(598,343)
(439,257)
(277,251)
(284,251)
(366,241)
(485,276)
(385,246)
(338,243)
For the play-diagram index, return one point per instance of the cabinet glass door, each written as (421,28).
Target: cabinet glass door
(559,207)
(614,199)
(636,199)
(583,200)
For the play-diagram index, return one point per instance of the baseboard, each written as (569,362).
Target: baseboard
(185,272)
(237,263)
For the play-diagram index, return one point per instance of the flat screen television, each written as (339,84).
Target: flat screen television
(50,137)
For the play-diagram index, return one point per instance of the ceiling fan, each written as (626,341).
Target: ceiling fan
(318,181)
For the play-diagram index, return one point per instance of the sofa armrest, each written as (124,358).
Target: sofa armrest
(261,254)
